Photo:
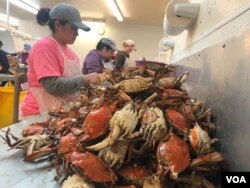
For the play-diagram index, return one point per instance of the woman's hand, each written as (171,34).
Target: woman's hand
(95,79)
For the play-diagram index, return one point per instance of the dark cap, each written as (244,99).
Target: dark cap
(109,42)
(67,12)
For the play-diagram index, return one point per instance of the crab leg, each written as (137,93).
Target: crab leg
(212,157)
(107,141)
(39,154)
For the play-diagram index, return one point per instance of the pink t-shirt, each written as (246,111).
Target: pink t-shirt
(45,60)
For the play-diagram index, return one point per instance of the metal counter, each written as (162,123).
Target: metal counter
(15,173)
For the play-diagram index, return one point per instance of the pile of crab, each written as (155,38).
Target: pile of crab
(141,130)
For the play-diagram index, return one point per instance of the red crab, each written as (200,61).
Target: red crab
(177,120)
(97,121)
(173,154)
(35,129)
(68,144)
(173,94)
(62,126)
(90,166)
(135,174)
(84,164)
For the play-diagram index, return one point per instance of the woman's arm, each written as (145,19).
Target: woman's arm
(62,86)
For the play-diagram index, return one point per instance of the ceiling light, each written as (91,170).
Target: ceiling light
(31,3)
(12,20)
(115,9)
(93,21)
(24,6)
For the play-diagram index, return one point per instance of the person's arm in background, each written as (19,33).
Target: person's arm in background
(119,61)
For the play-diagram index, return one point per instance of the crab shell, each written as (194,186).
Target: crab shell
(90,166)
(67,144)
(174,94)
(168,82)
(171,82)
(136,174)
(148,116)
(174,154)
(60,125)
(122,123)
(177,120)
(96,123)
(114,155)
(134,85)
(35,129)
(199,138)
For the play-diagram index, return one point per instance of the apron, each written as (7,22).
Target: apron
(108,65)
(47,101)
(126,63)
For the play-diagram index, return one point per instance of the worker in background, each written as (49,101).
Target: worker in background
(25,54)
(4,63)
(99,59)
(54,75)
(122,57)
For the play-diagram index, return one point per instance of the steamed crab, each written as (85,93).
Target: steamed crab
(177,120)
(122,123)
(153,125)
(30,144)
(114,155)
(82,163)
(200,140)
(97,121)
(172,155)
(35,129)
(134,85)
(172,82)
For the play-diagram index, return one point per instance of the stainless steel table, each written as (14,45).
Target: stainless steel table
(15,173)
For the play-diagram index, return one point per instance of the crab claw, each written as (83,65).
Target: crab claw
(183,78)
(107,141)
(39,154)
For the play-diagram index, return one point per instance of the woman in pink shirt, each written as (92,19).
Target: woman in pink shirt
(54,74)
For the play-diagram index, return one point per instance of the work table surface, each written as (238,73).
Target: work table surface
(16,173)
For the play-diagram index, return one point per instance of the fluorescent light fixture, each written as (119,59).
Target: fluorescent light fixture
(93,21)
(24,6)
(12,21)
(31,3)
(115,9)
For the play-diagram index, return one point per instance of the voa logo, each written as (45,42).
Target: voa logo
(236,179)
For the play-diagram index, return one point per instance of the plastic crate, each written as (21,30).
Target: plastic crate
(6,105)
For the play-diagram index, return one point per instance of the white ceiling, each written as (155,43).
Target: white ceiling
(142,12)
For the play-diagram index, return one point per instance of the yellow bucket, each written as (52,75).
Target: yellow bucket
(6,105)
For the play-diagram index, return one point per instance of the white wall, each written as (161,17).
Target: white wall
(8,42)
(146,38)
(210,27)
